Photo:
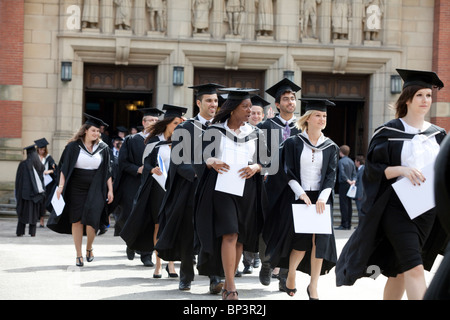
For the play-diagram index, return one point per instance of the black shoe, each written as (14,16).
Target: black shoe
(89,255)
(248,270)
(171,275)
(130,254)
(238,274)
(215,285)
(79,262)
(309,296)
(147,260)
(184,286)
(282,284)
(341,228)
(265,275)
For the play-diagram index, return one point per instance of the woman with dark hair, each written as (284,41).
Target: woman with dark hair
(387,240)
(228,223)
(29,192)
(84,183)
(50,173)
(141,228)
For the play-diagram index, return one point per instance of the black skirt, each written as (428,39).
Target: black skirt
(77,190)
(405,236)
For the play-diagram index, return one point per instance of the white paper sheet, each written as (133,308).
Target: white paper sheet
(162,178)
(58,205)
(417,199)
(307,220)
(47,179)
(230,182)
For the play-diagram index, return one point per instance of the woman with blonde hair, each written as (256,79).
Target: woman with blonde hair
(85,183)
(309,160)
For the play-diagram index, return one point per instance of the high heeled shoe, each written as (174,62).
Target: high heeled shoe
(309,295)
(171,275)
(89,255)
(79,262)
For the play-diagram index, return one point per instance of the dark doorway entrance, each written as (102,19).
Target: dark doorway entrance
(347,122)
(116,93)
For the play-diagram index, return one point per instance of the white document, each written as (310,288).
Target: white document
(162,178)
(236,156)
(417,199)
(307,220)
(58,205)
(47,179)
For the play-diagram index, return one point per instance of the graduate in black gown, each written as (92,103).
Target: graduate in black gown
(129,176)
(439,288)
(85,184)
(141,228)
(387,240)
(276,130)
(309,160)
(49,171)
(29,192)
(176,225)
(226,223)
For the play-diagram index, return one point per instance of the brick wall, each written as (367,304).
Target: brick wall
(441,58)
(11,67)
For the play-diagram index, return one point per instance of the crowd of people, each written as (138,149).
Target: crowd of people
(228,185)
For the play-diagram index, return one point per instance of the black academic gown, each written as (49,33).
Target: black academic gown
(139,227)
(127,179)
(209,257)
(368,245)
(439,288)
(278,230)
(51,165)
(30,202)
(94,211)
(176,225)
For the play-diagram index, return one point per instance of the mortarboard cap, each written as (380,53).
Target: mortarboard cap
(427,79)
(93,121)
(317,104)
(122,129)
(154,112)
(208,88)
(30,149)
(41,143)
(173,111)
(258,101)
(239,93)
(281,87)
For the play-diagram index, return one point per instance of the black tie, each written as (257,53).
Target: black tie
(207,123)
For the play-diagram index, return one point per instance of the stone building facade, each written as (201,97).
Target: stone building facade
(124,54)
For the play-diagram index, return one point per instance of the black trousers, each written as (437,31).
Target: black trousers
(345,204)
(20,231)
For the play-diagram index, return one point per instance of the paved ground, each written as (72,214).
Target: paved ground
(43,267)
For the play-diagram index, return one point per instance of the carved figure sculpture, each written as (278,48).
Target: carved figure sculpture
(89,17)
(234,9)
(123,14)
(308,12)
(372,18)
(264,26)
(341,11)
(157,9)
(201,9)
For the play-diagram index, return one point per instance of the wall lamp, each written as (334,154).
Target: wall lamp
(178,76)
(66,71)
(396,84)
(289,74)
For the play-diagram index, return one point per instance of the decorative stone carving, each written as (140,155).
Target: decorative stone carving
(89,16)
(157,10)
(234,9)
(341,12)
(123,14)
(264,25)
(373,13)
(308,12)
(200,11)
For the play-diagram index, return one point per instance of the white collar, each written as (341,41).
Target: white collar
(287,121)
(319,141)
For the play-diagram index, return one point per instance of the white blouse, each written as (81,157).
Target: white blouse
(88,161)
(421,150)
(237,152)
(164,152)
(311,171)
